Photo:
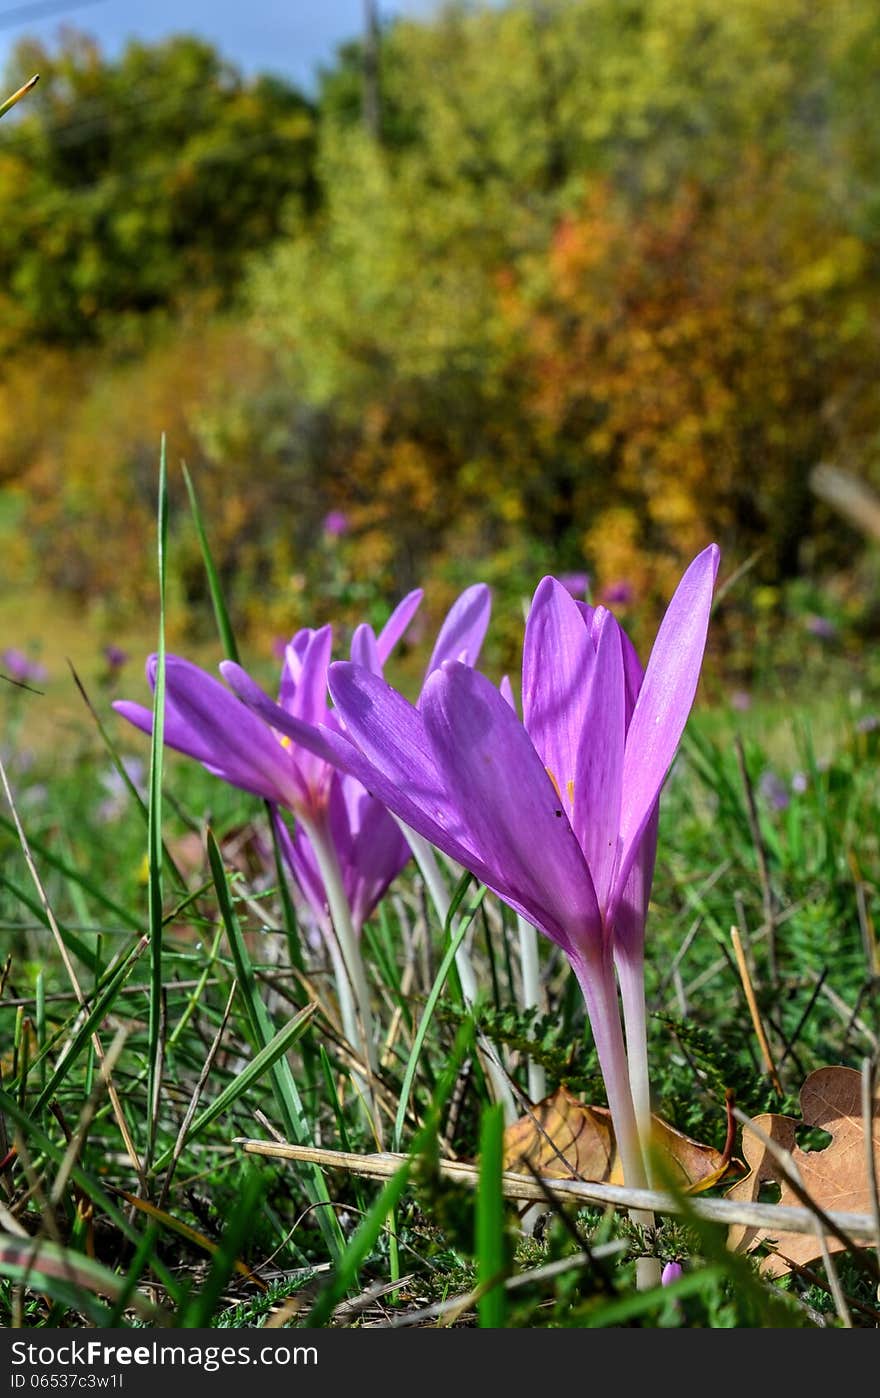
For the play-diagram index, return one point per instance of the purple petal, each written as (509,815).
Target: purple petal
(397,768)
(141,718)
(203,720)
(599,617)
(665,700)
(402,777)
(378,852)
(631,913)
(508,810)
(391,754)
(365,649)
(310,703)
(462,633)
(316,740)
(599,778)
(558,665)
(633,671)
(296,649)
(291,673)
(299,856)
(506,691)
(397,623)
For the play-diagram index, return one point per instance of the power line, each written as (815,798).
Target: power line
(40,9)
(154,92)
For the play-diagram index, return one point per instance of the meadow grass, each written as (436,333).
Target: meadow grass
(163,1003)
(113,1219)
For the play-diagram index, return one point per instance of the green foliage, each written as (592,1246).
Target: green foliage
(605,296)
(602,289)
(131,185)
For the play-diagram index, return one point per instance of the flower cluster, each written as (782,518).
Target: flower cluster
(555,811)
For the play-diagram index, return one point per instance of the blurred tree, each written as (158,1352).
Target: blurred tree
(614,291)
(605,287)
(131,185)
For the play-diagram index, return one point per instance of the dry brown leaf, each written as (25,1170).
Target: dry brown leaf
(561,1139)
(837,1177)
(564,1139)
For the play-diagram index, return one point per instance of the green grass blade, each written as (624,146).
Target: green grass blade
(637,1304)
(287,1096)
(455,940)
(70,1278)
(491,1240)
(291,923)
(70,939)
(113,754)
(218,602)
(260,1064)
(129,1282)
(360,1247)
(90,1186)
(17,96)
(349,1265)
(154,836)
(89,1026)
(74,876)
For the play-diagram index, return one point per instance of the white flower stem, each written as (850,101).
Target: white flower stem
(347,1010)
(530,970)
(596,979)
(631,978)
(423,853)
(340,914)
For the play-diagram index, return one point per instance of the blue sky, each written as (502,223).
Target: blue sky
(290,37)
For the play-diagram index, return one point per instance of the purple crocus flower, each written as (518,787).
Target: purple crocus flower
(821,627)
(557,813)
(671,1273)
(335,524)
(618,594)
(115,657)
(773,790)
(369,844)
(205,721)
(251,748)
(19,667)
(578,584)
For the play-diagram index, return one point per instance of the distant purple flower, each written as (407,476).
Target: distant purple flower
(741,700)
(671,1273)
(800,783)
(18,666)
(869,724)
(557,814)
(335,524)
(773,790)
(618,594)
(117,796)
(115,657)
(578,584)
(821,627)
